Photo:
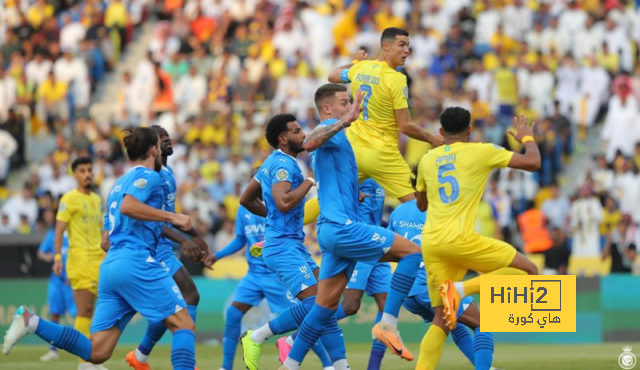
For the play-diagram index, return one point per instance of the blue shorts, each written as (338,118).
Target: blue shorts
(133,281)
(373,280)
(421,305)
(60,298)
(344,245)
(291,261)
(253,288)
(168,256)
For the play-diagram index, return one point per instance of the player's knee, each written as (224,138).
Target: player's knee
(100,354)
(351,308)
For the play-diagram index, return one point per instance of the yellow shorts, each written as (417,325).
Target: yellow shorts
(83,274)
(387,168)
(452,260)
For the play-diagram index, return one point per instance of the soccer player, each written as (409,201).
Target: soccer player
(343,239)
(374,136)
(280,183)
(164,252)
(259,283)
(408,220)
(451,181)
(80,215)
(132,280)
(59,293)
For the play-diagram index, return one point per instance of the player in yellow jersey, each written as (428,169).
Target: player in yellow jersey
(451,181)
(80,214)
(374,136)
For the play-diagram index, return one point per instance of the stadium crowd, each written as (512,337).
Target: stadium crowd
(217,69)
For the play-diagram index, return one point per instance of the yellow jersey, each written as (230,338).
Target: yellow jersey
(83,215)
(386,91)
(454,177)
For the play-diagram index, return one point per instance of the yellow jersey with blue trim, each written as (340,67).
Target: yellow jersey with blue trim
(385,92)
(454,178)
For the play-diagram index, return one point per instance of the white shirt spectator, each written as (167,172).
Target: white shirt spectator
(241,10)
(67,70)
(554,38)
(541,84)
(190,91)
(572,21)
(21,204)
(316,26)
(534,39)
(288,41)
(621,130)
(486,25)
(586,214)
(7,95)
(8,146)
(236,169)
(255,66)
(424,48)
(37,71)
(568,85)
(517,20)
(480,81)
(70,36)
(60,185)
(625,190)
(556,210)
(588,41)
(437,20)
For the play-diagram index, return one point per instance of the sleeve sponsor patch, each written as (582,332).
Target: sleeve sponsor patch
(140,183)
(282,175)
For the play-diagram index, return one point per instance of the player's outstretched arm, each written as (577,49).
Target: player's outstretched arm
(336,76)
(132,207)
(323,133)
(409,128)
(61,227)
(250,199)
(530,160)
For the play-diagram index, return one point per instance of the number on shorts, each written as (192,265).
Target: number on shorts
(449,179)
(365,103)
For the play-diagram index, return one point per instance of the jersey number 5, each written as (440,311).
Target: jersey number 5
(449,179)
(365,103)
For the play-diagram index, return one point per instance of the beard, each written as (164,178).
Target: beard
(88,185)
(296,148)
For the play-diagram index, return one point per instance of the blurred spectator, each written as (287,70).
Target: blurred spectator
(621,247)
(586,215)
(5,227)
(23,203)
(557,208)
(556,258)
(621,131)
(8,146)
(533,229)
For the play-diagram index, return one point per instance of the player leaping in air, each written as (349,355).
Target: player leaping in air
(451,181)
(374,135)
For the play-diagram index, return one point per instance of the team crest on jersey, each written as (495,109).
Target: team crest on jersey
(405,92)
(282,175)
(140,183)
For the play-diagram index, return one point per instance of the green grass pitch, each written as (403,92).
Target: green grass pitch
(508,357)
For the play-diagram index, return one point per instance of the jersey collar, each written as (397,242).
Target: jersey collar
(290,156)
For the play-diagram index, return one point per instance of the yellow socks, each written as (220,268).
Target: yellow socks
(472,286)
(431,348)
(83,325)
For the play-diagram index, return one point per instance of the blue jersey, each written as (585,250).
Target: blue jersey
(281,167)
(128,233)
(370,210)
(408,221)
(250,230)
(169,188)
(47,246)
(334,166)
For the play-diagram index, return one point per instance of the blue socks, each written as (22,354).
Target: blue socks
(65,337)
(463,339)
(401,283)
(319,350)
(230,337)
(310,331)
(333,340)
(183,350)
(156,330)
(377,350)
(483,350)
(291,318)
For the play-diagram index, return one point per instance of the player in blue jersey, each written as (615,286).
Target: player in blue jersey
(164,252)
(131,279)
(408,220)
(259,283)
(280,183)
(343,239)
(59,293)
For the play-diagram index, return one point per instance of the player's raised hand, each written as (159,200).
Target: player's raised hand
(356,109)
(360,55)
(183,222)
(523,128)
(57,268)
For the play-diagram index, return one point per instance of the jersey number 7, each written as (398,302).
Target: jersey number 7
(365,103)
(449,179)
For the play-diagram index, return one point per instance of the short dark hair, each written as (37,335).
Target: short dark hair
(390,34)
(159,129)
(277,125)
(327,91)
(137,141)
(455,120)
(79,161)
